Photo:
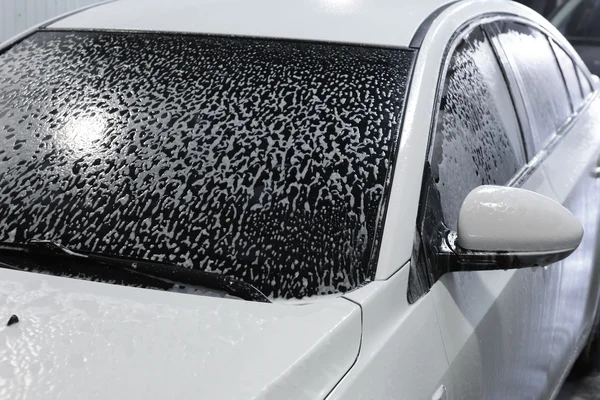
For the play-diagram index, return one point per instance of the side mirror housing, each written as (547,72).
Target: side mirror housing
(504,228)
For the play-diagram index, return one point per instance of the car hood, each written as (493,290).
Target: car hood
(77,339)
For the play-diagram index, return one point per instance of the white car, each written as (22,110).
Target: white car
(304,199)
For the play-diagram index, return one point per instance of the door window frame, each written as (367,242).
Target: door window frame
(416,288)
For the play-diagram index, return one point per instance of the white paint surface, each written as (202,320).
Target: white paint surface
(506,334)
(381,22)
(402,354)
(19,15)
(500,218)
(85,340)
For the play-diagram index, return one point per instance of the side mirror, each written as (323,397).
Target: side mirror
(503,228)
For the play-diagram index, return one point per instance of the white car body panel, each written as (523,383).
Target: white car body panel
(86,340)
(35,27)
(531,222)
(576,155)
(516,333)
(380,22)
(513,333)
(402,354)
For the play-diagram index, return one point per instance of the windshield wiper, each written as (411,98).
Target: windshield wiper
(165,273)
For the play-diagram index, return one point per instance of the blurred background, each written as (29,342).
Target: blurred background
(579,22)
(544,7)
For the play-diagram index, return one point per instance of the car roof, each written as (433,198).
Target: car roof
(373,22)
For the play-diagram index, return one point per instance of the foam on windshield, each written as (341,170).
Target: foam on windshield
(265,160)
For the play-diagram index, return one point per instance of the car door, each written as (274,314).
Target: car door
(567,150)
(478,140)
(499,327)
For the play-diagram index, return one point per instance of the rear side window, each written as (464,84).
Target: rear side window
(570,75)
(586,88)
(539,77)
(477,139)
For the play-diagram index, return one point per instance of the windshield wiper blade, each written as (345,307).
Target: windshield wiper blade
(167,273)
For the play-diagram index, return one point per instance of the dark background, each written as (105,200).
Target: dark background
(544,7)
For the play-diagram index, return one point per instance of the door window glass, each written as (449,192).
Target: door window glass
(570,75)
(539,78)
(478,139)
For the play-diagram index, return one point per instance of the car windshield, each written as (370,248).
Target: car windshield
(265,160)
(578,19)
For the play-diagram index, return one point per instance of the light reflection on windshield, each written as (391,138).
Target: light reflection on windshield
(82,133)
(264,160)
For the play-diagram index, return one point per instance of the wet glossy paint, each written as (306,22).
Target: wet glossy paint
(375,22)
(402,354)
(580,273)
(514,334)
(77,339)
(494,325)
(501,218)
